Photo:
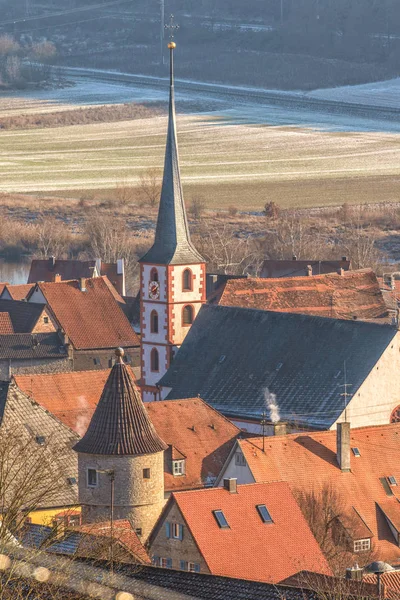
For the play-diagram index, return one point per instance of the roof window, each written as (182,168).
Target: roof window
(71,480)
(264,513)
(222,358)
(392,480)
(220,518)
(356,452)
(278,366)
(40,439)
(386,486)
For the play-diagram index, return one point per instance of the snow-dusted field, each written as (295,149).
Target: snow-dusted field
(379,93)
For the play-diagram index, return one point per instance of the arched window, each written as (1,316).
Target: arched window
(187,315)
(187,280)
(395,418)
(154,274)
(154,360)
(154,321)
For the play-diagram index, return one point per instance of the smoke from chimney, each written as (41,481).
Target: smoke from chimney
(271,404)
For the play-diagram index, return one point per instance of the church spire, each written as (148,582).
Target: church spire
(172,243)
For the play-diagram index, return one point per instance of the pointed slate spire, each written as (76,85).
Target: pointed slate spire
(172,243)
(120,425)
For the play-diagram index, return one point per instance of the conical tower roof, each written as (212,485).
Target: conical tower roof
(172,243)
(120,425)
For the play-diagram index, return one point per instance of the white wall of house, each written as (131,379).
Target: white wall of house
(378,396)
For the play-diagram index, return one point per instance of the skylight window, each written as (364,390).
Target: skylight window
(222,358)
(392,480)
(278,366)
(40,439)
(72,480)
(356,452)
(264,513)
(220,518)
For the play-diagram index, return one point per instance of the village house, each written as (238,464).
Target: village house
(86,541)
(16,292)
(361,465)
(300,268)
(244,362)
(254,532)
(41,482)
(50,269)
(18,316)
(32,353)
(198,437)
(90,320)
(347,295)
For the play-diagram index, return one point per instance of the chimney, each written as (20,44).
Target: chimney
(82,284)
(57,278)
(279,428)
(309,270)
(52,262)
(98,267)
(121,271)
(343,446)
(344,258)
(294,257)
(341,271)
(354,573)
(231,485)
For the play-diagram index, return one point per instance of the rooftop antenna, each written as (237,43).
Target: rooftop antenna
(345,394)
(263,423)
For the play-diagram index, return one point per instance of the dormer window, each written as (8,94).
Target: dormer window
(178,468)
(362,545)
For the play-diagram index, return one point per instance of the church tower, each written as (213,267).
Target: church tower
(172,274)
(121,457)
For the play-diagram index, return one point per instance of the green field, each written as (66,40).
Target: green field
(226,163)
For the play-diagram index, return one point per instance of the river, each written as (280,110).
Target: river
(14,273)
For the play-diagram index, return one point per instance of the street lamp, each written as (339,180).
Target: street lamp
(111,474)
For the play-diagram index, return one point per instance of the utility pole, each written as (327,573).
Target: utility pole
(263,422)
(162,6)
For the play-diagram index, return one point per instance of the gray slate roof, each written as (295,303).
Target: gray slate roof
(232,356)
(172,244)
(22,346)
(23,315)
(120,424)
(29,423)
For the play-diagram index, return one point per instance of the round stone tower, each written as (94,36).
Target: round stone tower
(121,457)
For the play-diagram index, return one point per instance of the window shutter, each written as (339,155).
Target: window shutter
(183,565)
(168,529)
(181,532)
(197,567)
(169,563)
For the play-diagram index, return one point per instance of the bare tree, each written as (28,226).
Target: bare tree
(52,237)
(150,186)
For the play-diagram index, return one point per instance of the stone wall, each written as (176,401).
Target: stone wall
(92,360)
(42,365)
(177,550)
(138,499)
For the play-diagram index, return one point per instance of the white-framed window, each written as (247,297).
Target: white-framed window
(191,567)
(362,545)
(91,477)
(165,562)
(175,531)
(240,460)
(178,467)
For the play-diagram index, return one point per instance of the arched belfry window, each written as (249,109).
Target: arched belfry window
(154,360)
(395,418)
(187,315)
(187,280)
(154,274)
(154,321)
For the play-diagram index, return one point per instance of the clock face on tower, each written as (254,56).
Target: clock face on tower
(154,290)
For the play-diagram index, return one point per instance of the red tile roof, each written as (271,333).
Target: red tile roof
(250,548)
(91,318)
(307,461)
(122,532)
(353,294)
(18,292)
(6,325)
(71,397)
(390,583)
(194,430)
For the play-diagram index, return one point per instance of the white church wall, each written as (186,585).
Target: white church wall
(161,336)
(162,279)
(178,294)
(152,377)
